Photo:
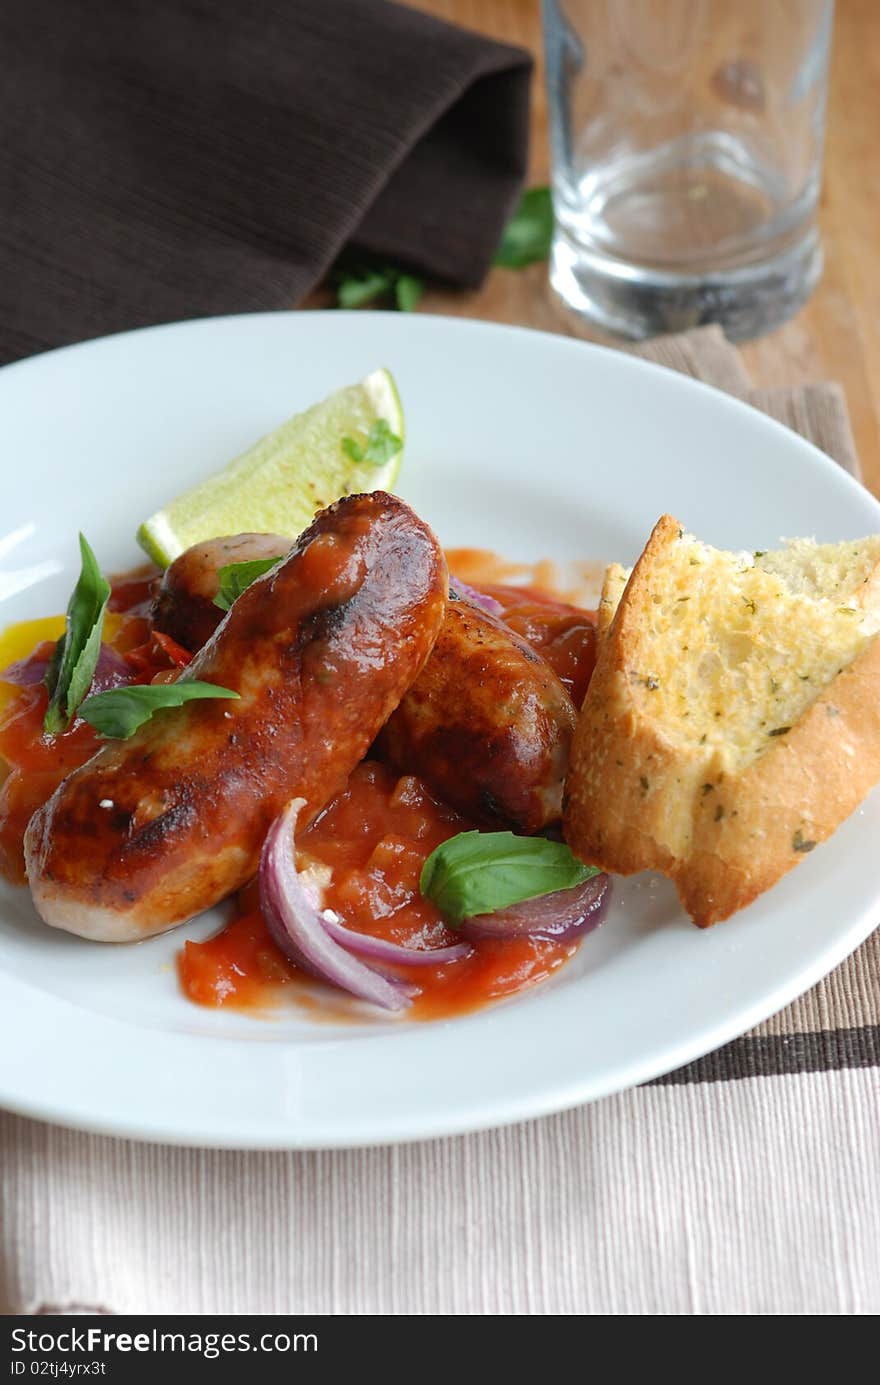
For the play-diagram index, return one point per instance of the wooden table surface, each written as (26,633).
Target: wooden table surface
(837,335)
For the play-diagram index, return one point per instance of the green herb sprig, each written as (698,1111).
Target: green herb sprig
(481,872)
(381,445)
(528,234)
(70,672)
(526,240)
(359,287)
(235,578)
(118,713)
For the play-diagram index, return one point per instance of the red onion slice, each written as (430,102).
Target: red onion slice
(383,951)
(25,673)
(111,671)
(297,926)
(562,914)
(486,603)
(318,941)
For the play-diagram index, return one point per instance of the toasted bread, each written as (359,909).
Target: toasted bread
(733,719)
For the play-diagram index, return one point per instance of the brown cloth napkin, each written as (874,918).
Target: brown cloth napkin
(166,159)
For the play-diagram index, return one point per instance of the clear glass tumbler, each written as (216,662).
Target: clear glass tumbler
(687,154)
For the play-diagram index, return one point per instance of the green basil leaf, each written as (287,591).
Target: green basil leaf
(118,713)
(359,286)
(358,290)
(381,445)
(72,668)
(528,234)
(480,872)
(237,577)
(407,292)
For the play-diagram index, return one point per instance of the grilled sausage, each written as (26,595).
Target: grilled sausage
(154,829)
(488,725)
(183,602)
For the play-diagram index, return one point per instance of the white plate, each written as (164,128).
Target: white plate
(531,444)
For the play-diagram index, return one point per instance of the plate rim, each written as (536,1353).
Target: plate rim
(555,1097)
(554,1101)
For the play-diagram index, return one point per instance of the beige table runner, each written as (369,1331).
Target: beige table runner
(748,1182)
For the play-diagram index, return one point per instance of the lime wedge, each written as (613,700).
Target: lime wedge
(281,483)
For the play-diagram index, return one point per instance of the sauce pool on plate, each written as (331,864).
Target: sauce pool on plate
(374,837)
(32,764)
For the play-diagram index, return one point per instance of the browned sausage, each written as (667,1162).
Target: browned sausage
(183,604)
(487,724)
(159,827)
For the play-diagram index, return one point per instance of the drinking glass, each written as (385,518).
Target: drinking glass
(687,154)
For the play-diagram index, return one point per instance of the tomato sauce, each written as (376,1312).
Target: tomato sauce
(374,838)
(132,592)
(32,764)
(576,582)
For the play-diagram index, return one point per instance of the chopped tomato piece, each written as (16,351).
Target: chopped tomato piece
(157,654)
(375,838)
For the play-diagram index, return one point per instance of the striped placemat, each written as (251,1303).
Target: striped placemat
(745,1183)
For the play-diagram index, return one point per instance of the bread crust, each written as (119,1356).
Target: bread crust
(791,799)
(613,584)
(635,800)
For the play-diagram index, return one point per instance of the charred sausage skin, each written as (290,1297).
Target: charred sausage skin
(155,829)
(487,724)
(183,600)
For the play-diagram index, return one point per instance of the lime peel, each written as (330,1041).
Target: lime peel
(280,484)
